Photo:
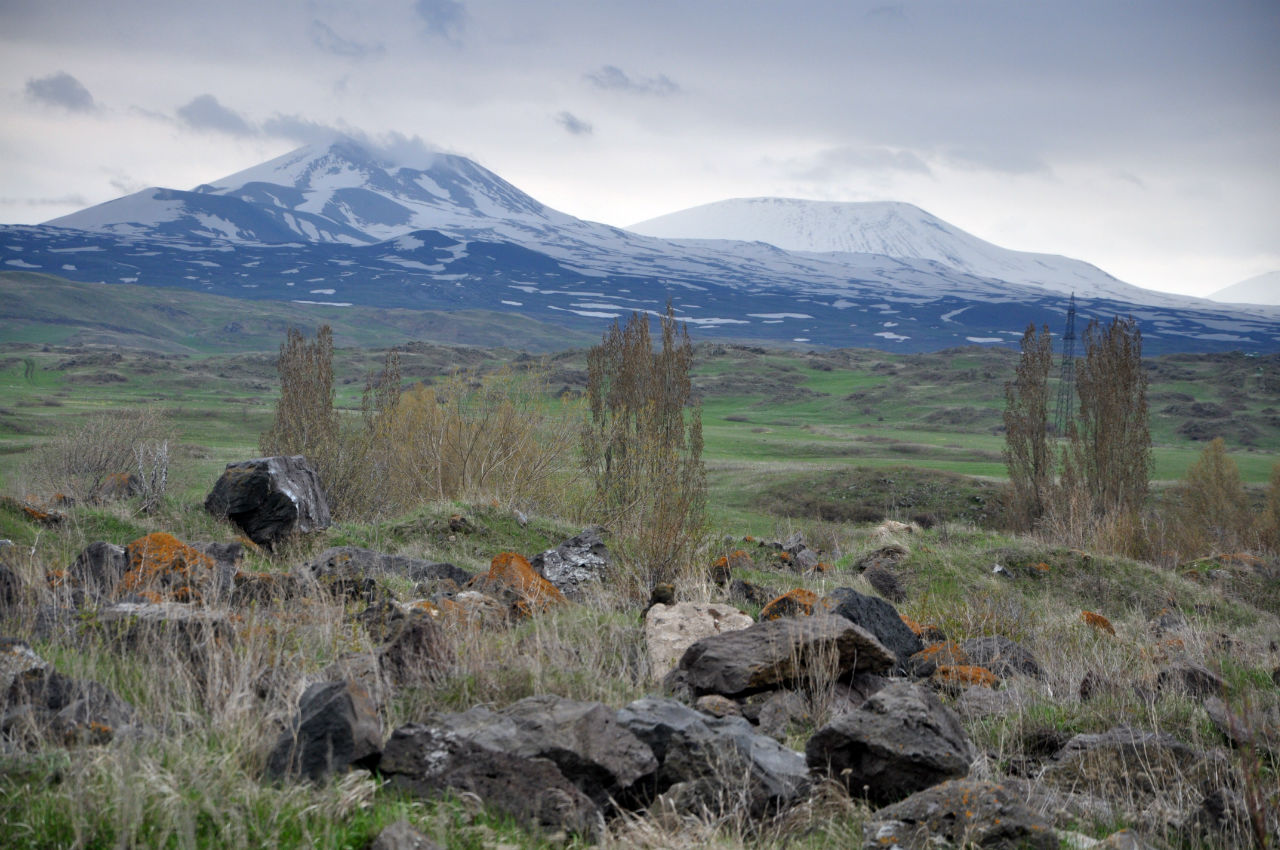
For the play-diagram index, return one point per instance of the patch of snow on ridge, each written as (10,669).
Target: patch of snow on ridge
(981,339)
(780,316)
(890,335)
(323,291)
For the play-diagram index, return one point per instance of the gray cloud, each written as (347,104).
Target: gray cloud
(574,124)
(64,201)
(444,18)
(299,129)
(613,78)
(205,113)
(61,89)
(836,162)
(324,37)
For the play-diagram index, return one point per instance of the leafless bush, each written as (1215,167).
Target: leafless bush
(79,462)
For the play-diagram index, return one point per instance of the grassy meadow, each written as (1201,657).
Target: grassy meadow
(826,443)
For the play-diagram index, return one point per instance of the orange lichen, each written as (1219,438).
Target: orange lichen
(945,653)
(821,567)
(1098,621)
(1042,567)
(924,631)
(515,571)
(162,564)
(56,578)
(793,603)
(964,675)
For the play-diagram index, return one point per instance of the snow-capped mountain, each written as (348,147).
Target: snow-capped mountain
(342,224)
(1261,289)
(881,227)
(336,192)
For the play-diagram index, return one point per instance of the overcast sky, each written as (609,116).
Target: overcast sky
(1139,135)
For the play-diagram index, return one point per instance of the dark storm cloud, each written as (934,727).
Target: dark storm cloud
(444,18)
(613,78)
(61,89)
(205,113)
(324,37)
(574,124)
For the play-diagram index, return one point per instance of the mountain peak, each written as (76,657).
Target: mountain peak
(889,228)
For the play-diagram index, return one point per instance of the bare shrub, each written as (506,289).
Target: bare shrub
(1210,511)
(79,462)
(1268,522)
(478,437)
(495,436)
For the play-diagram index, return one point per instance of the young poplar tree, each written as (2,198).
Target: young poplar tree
(1026,422)
(1109,453)
(642,443)
(306,422)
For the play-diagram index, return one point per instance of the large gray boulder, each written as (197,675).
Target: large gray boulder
(336,727)
(428,759)
(879,618)
(900,741)
(1127,764)
(959,813)
(580,561)
(780,653)
(717,762)
(270,498)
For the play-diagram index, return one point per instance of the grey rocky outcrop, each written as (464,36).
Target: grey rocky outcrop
(39,704)
(1002,656)
(1125,763)
(879,618)
(715,762)
(959,813)
(270,498)
(580,561)
(900,741)
(561,743)
(429,759)
(777,653)
(336,727)
(402,836)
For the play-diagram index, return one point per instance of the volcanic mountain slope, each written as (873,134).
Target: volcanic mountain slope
(893,229)
(341,223)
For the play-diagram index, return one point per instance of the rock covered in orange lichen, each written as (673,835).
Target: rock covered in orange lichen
(163,566)
(958,676)
(515,572)
(1098,621)
(924,631)
(793,603)
(945,654)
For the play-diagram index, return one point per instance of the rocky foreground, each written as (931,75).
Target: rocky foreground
(748,721)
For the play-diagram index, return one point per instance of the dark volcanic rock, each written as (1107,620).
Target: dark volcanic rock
(720,762)
(961,813)
(37,703)
(1002,656)
(427,759)
(270,498)
(878,617)
(336,727)
(781,652)
(900,741)
(99,568)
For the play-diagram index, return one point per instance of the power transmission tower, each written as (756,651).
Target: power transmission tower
(1067,376)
